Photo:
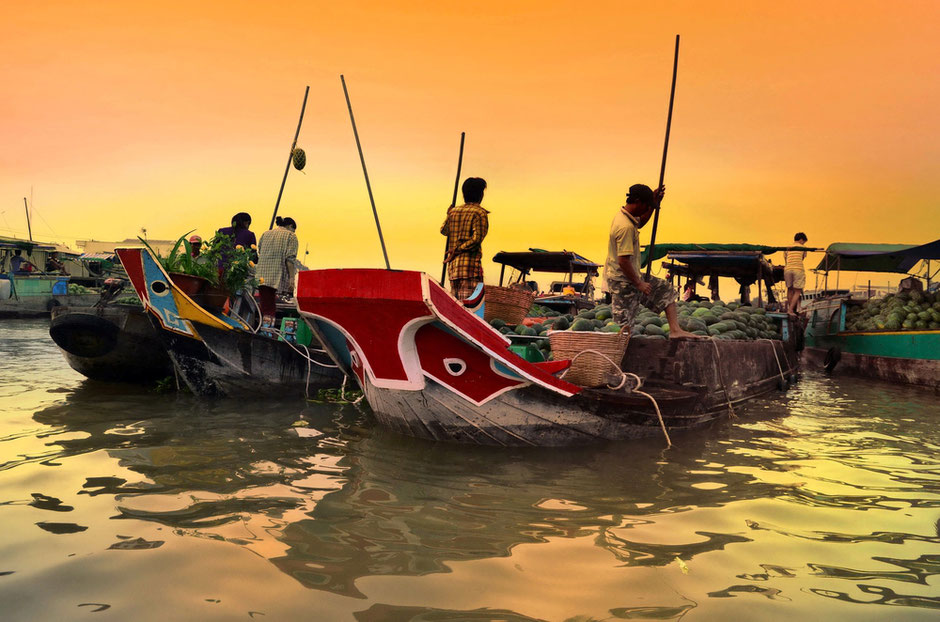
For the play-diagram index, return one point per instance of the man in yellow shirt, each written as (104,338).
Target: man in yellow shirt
(628,289)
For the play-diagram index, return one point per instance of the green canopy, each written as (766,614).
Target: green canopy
(662,250)
(877,257)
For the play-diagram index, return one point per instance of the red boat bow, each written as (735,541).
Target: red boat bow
(401,327)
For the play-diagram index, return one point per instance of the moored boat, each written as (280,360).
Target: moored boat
(217,353)
(431,369)
(880,348)
(111,342)
(36,292)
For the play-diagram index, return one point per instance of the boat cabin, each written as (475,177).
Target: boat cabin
(569,294)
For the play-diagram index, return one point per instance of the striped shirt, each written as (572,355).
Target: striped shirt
(794,259)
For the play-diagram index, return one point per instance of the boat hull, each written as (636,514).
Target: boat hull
(42,305)
(242,364)
(114,343)
(908,357)
(431,370)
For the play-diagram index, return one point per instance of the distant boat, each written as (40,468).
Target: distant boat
(896,354)
(222,355)
(37,293)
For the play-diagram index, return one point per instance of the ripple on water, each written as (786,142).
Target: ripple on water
(821,502)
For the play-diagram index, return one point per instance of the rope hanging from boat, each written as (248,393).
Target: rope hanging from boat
(721,378)
(773,347)
(623,381)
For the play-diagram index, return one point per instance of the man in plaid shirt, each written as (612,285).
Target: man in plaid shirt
(465,227)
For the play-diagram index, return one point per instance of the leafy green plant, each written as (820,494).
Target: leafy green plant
(220,261)
(235,261)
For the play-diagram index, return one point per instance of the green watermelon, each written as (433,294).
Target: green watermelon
(583,324)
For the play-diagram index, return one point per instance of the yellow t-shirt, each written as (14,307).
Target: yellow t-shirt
(794,259)
(624,242)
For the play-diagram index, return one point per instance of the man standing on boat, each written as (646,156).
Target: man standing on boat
(793,274)
(465,227)
(629,290)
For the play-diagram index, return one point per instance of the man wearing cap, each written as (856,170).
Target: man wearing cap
(628,289)
(195,244)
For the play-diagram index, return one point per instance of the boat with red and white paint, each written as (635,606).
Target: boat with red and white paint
(431,369)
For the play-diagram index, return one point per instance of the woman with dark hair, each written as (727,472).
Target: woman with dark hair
(277,252)
(239,232)
(465,227)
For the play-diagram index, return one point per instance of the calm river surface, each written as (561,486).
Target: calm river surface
(118,503)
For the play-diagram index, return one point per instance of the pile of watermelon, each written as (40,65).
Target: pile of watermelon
(718,320)
(598,319)
(710,319)
(904,311)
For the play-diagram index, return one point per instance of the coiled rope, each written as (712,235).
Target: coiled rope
(623,381)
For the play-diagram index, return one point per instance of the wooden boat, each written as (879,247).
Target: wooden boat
(111,342)
(905,356)
(218,354)
(431,369)
(36,294)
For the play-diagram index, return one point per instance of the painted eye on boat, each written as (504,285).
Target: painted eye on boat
(160,288)
(455,367)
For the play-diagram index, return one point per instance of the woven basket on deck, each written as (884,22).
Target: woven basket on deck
(589,370)
(509,304)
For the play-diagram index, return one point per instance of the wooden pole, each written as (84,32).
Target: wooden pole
(29,227)
(662,168)
(362,159)
(453,203)
(290,156)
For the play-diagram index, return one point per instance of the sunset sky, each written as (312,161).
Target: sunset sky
(813,116)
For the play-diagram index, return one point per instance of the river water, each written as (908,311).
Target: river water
(121,503)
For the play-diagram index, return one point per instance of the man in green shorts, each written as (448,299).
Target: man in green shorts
(628,289)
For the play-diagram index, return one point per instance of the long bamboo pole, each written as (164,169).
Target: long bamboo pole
(362,159)
(453,203)
(662,169)
(290,156)
(29,227)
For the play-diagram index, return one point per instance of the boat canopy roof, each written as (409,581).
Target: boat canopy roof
(877,257)
(538,260)
(746,265)
(104,257)
(661,250)
(27,245)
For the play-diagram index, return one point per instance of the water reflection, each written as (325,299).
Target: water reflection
(331,501)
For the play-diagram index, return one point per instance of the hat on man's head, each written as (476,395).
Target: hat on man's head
(640,193)
(195,239)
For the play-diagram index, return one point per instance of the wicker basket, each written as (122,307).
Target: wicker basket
(589,370)
(509,304)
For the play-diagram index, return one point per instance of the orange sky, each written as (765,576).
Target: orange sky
(815,116)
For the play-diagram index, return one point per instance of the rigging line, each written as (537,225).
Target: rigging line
(45,222)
